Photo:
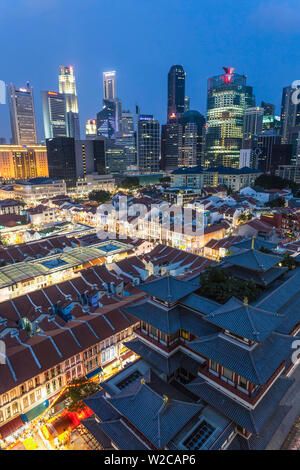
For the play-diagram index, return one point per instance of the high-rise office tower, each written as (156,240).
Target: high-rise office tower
(67,86)
(253,122)
(109,85)
(176,92)
(290,114)
(62,159)
(106,120)
(191,152)
(126,138)
(227,98)
(54,114)
(22,115)
(148,144)
(171,145)
(91,129)
(115,157)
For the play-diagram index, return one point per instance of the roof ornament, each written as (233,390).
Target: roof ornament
(246,301)
(143,381)
(165,398)
(252,245)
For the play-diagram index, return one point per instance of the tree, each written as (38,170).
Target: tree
(99,196)
(165,179)
(276,182)
(218,285)
(288,261)
(78,390)
(278,202)
(130,183)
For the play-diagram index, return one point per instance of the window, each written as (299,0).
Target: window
(243,383)
(32,398)
(214,366)
(184,334)
(15,408)
(153,332)
(48,388)
(199,436)
(25,402)
(37,381)
(5,398)
(163,337)
(227,375)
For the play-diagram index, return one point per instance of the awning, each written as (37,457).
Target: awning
(94,373)
(11,427)
(35,412)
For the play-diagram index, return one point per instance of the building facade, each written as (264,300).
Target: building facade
(22,115)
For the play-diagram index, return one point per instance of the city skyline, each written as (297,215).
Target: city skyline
(209,49)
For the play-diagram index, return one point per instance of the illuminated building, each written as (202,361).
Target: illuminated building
(227,98)
(106,120)
(22,115)
(54,114)
(290,114)
(115,155)
(126,138)
(191,151)
(91,129)
(67,86)
(148,144)
(253,122)
(109,85)
(176,91)
(21,162)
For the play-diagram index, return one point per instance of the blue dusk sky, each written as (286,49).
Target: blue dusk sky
(141,39)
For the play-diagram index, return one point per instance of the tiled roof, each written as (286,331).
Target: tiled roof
(256,364)
(245,320)
(254,260)
(169,289)
(252,420)
(157,419)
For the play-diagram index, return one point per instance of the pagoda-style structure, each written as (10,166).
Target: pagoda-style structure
(210,376)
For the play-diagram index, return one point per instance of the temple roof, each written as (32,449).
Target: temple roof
(254,260)
(257,364)
(157,417)
(163,363)
(252,420)
(245,320)
(169,289)
(171,320)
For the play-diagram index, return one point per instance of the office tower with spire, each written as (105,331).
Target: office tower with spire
(176,92)
(228,96)
(67,87)
(22,115)
(109,119)
(54,115)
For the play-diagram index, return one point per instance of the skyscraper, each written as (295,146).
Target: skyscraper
(109,85)
(227,98)
(176,92)
(22,115)
(171,145)
(54,114)
(253,122)
(290,114)
(148,144)
(62,159)
(67,86)
(191,151)
(106,120)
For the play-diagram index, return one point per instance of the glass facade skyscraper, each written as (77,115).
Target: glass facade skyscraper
(290,114)
(227,98)
(54,114)
(148,144)
(176,92)
(22,116)
(67,86)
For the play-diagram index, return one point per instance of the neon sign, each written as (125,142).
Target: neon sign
(228,74)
